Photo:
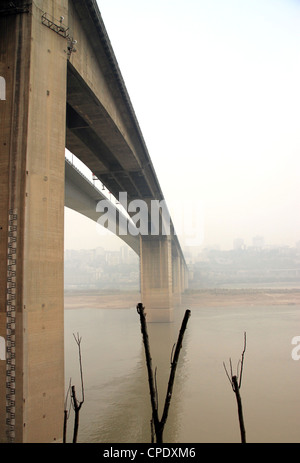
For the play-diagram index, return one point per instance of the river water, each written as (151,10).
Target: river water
(203,407)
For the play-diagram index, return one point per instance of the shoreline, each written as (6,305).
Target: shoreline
(97,299)
(218,297)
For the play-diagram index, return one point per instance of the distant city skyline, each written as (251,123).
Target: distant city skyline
(254,265)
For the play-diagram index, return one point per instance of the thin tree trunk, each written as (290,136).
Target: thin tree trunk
(153,396)
(240,409)
(173,367)
(77,407)
(65,426)
(236,382)
(156,422)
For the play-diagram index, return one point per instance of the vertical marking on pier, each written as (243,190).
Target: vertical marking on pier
(2,88)
(11,327)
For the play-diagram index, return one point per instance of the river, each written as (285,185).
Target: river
(203,407)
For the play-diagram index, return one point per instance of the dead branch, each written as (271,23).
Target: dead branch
(153,395)
(157,425)
(240,409)
(76,404)
(235,382)
(78,342)
(174,366)
(242,361)
(66,413)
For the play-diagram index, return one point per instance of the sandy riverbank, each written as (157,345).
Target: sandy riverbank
(241,297)
(101,299)
(201,298)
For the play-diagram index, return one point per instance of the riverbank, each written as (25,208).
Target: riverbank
(192,298)
(241,297)
(97,299)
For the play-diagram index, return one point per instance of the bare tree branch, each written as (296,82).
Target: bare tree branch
(174,366)
(66,412)
(242,360)
(153,396)
(236,381)
(78,342)
(76,404)
(157,425)
(228,376)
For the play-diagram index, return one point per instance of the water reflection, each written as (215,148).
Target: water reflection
(203,409)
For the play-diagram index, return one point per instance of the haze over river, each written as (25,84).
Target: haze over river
(203,407)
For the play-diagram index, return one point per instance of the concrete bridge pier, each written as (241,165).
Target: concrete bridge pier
(34,66)
(184,276)
(177,269)
(156,277)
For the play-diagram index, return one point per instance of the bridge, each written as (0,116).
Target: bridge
(61,87)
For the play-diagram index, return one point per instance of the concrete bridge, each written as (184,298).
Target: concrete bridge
(61,87)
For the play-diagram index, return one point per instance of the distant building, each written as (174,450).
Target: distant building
(100,268)
(258,242)
(238,244)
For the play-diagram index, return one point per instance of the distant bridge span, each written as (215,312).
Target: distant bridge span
(63,89)
(82,196)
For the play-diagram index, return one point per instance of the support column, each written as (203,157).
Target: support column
(156,278)
(32,151)
(184,276)
(177,283)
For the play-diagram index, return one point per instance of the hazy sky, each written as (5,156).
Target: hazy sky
(215,85)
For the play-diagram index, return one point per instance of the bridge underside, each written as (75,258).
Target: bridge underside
(162,272)
(92,136)
(48,84)
(83,197)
